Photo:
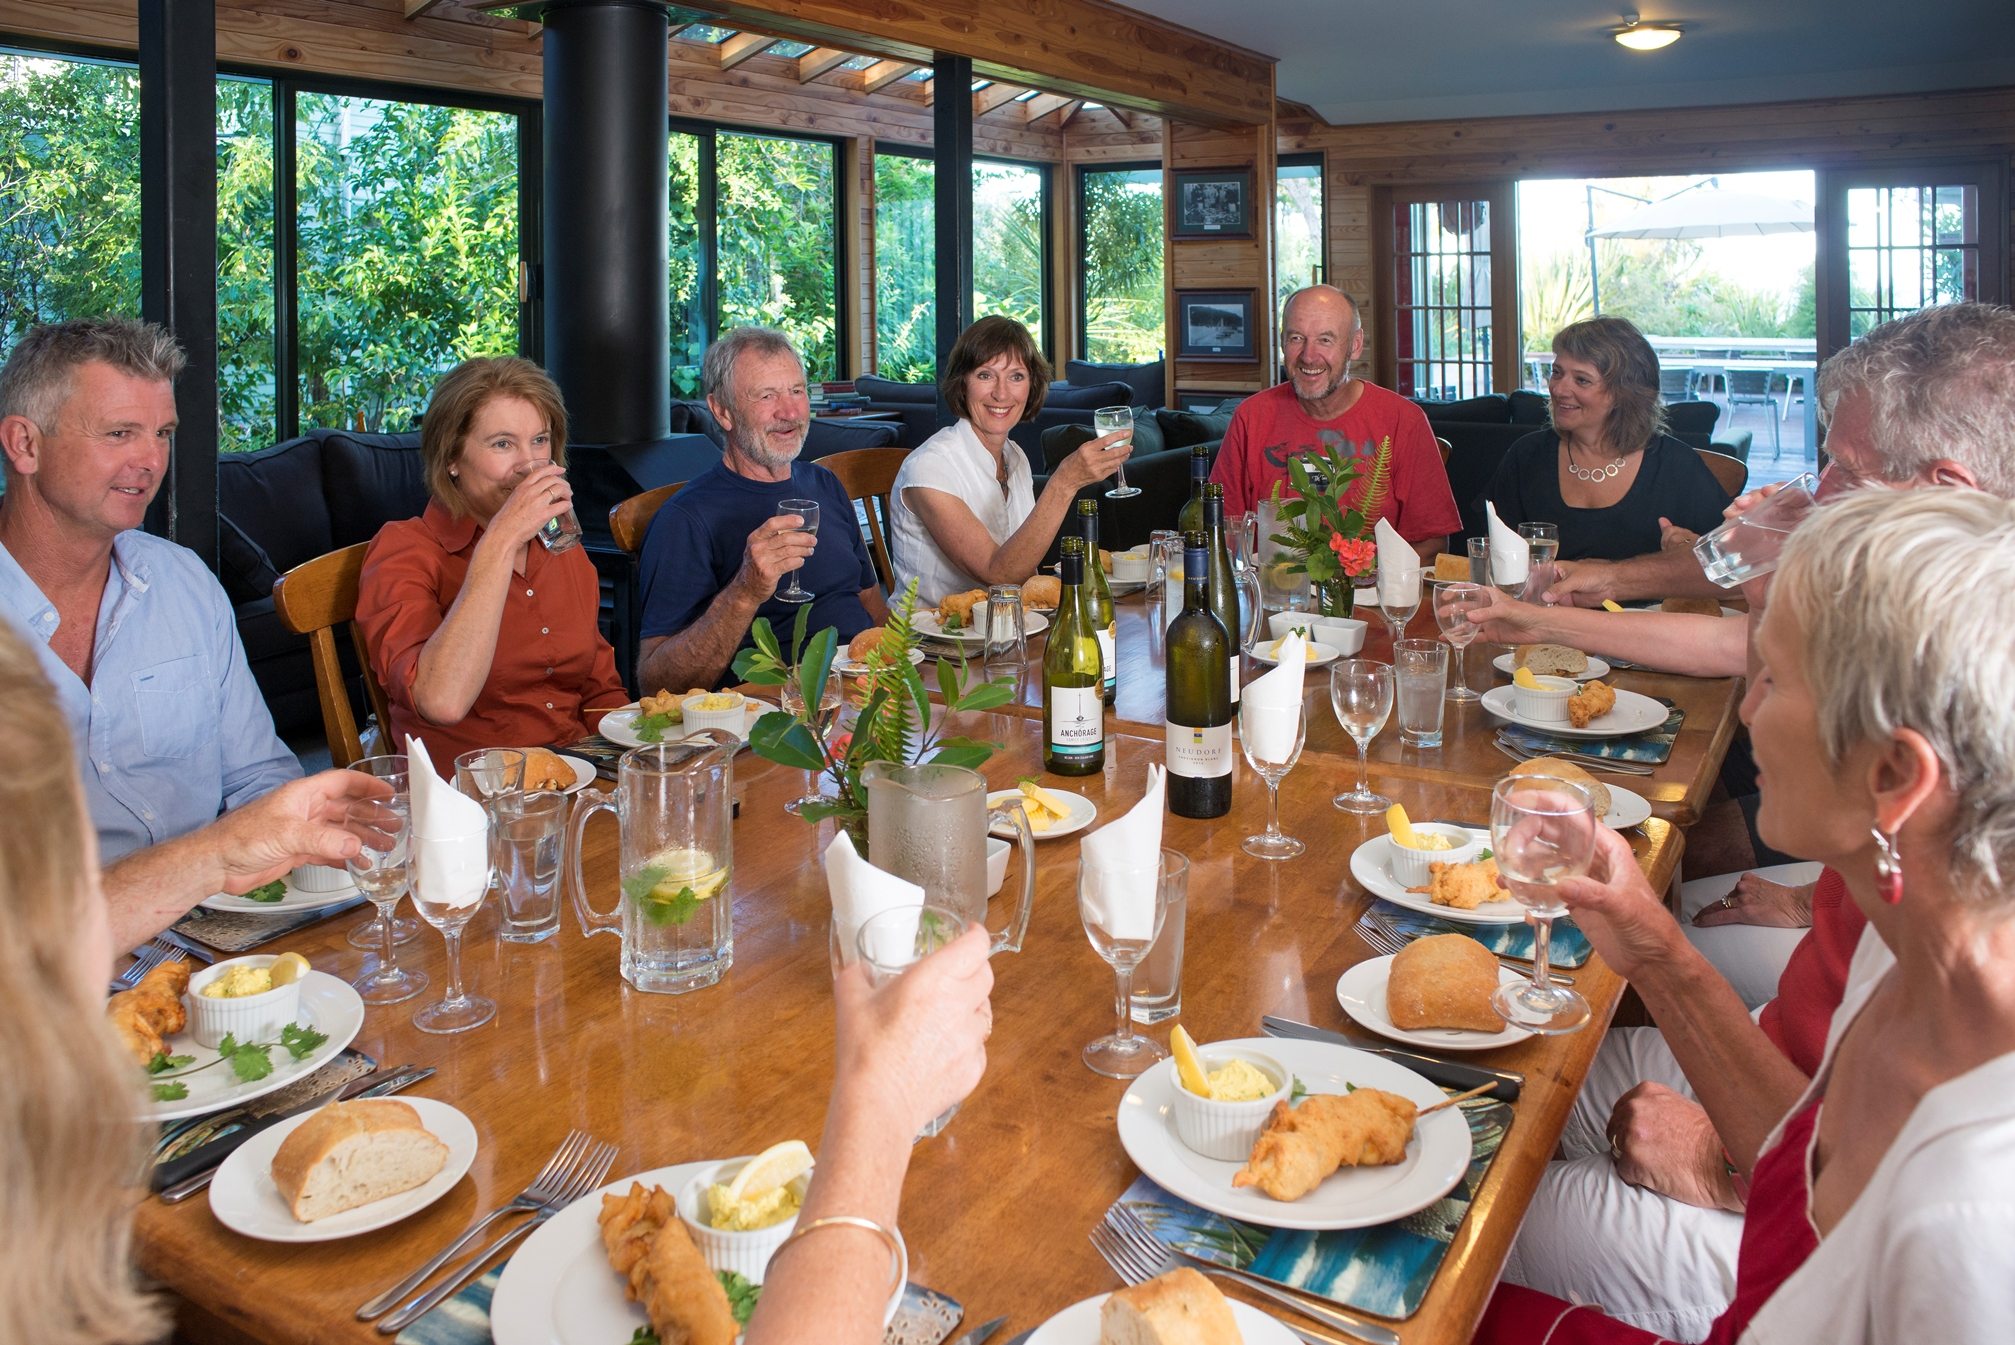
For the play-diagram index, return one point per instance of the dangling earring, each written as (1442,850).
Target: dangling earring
(1888,867)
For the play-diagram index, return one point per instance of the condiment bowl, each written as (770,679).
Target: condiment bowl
(745,1253)
(1409,866)
(1343,634)
(321,878)
(249,1018)
(1131,567)
(698,719)
(997,858)
(1548,701)
(1226,1130)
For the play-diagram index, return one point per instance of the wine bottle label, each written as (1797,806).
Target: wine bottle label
(1076,721)
(1202,753)
(1234,676)
(1108,643)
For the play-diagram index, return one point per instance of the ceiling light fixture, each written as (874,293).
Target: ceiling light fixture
(1645,36)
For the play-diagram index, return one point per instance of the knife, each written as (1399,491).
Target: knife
(980,1334)
(1447,1073)
(180,1178)
(1021,1339)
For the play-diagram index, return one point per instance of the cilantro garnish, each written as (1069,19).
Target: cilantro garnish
(163,1062)
(651,728)
(953,621)
(643,1335)
(742,1295)
(301,1041)
(273,891)
(250,1061)
(1298,1092)
(170,1092)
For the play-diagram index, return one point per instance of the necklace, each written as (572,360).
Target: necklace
(1593,474)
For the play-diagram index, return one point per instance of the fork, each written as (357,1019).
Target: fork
(1136,1260)
(593,1170)
(1383,938)
(144,961)
(553,1179)
(1586,762)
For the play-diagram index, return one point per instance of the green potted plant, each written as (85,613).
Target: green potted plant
(1327,542)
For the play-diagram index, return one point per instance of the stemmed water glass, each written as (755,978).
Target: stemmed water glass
(448,890)
(382,872)
(1105,420)
(808,512)
(1360,691)
(1398,597)
(369,934)
(793,699)
(891,942)
(1454,600)
(1272,757)
(1124,1053)
(1542,829)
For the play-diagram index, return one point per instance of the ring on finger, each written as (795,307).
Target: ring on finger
(1727,903)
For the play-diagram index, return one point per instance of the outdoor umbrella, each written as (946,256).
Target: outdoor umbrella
(1712,214)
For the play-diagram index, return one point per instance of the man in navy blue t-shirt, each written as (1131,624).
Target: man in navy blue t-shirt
(718,550)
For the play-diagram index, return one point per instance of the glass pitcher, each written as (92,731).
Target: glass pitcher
(928,824)
(674,804)
(1279,589)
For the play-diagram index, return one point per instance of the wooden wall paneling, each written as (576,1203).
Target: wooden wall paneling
(1222,263)
(1066,266)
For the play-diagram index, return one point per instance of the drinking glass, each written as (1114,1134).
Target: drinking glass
(792,696)
(1479,560)
(1398,597)
(1420,676)
(529,834)
(448,900)
(1453,602)
(1360,691)
(891,942)
(1121,931)
(1542,540)
(1105,420)
(808,511)
(486,775)
(1273,755)
(1746,547)
(383,872)
(1542,830)
(1006,632)
(1157,982)
(1164,547)
(370,934)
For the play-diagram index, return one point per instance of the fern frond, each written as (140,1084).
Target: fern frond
(1373,503)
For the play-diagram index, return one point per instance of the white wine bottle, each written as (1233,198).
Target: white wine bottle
(1099,594)
(1198,728)
(1073,714)
(1223,595)
(1190,518)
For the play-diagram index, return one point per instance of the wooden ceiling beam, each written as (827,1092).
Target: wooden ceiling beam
(884,73)
(819,60)
(1043,104)
(1062,117)
(1121,115)
(741,46)
(995,95)
(415,8)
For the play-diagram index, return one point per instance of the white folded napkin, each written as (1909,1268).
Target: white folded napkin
(861,891)
(451,835)
(1398,566)
(1271,707)
(1510,554)
(1122,865)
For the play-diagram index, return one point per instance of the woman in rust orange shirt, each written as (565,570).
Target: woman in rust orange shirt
(480,636)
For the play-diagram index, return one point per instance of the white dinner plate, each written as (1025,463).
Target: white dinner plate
(1371,865)
(295,901)
(1318,653)
(1078,1325)
(853,667)
(1597,668)
(559,1290)
(245,1200)
(1632,713)
(974,631)
(1361,992)
(1083,812)
(1436,1156)
(620,726)
(1627,808)
(583,769)
(328,1005)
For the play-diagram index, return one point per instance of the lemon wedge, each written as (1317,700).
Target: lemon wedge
(1401,827)
(1523,677)
(775,1166)
(1187,1067)
(288,968)
(1610,605)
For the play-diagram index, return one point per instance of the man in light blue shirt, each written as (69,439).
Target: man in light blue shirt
(133,631)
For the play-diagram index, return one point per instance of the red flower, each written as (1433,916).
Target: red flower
(837,745)
(1354,554)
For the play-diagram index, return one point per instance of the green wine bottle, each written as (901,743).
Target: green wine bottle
(1073,715)
(1198,728)
(1099,594)
(1223,594)
(1190,518)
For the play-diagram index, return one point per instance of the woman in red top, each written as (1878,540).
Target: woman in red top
(479,637)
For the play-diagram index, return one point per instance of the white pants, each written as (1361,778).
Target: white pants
(1656,1263)
(1752,957)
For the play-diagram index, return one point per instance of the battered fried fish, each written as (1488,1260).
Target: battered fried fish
(1302,1145)
(1463,886)
(960,605)
(1594,700)
(648,1245)
(152,1011)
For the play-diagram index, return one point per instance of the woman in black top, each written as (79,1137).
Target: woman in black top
(1606,472)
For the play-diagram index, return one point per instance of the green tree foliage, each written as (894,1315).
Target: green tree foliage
(1124,318)
(775,229)
(1008,243)
(247,405)
(905,268)
(689,312)
(1664,288)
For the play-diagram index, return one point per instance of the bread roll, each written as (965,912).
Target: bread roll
(1451,569)
(1567,770)
(1550,660)
(867,642)
(353,1153)
(1443,981)
(545,770)
(1042,590)
(1179,1308)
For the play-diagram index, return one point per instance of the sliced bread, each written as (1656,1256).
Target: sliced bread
(1550,660)
(353,1153)
(1567,770)
(1179,1308)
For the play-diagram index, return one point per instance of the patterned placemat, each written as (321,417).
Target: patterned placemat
(1649,749)
(1384,1270)
(1568,947)
(239,932)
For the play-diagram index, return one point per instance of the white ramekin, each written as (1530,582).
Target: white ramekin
(249,1018)
(697,719)
(1341,633)
(1549,702)
(320,878)
(745,1253)
(1226,1130)
(1410,866)
(998,851)
(1131,567)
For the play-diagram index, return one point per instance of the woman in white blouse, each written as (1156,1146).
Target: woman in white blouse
(964,513)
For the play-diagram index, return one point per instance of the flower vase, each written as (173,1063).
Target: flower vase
(1332,597)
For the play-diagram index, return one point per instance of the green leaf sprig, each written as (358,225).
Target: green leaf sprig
(250,1061)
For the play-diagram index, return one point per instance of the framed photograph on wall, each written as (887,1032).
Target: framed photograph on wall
(1213,203)
(1214,325)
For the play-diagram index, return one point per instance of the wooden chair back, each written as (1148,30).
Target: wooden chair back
(1732,473)
(869,474)
(631,519)
(1446,449)
(312,599)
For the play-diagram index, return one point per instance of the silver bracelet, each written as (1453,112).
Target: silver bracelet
(898,1253)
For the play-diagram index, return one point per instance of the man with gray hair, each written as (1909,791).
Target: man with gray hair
(133,631)
(716,551)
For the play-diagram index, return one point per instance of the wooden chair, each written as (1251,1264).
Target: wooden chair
(312,599)
(1732,473)
(869,474)
(1446,449)
(631,519)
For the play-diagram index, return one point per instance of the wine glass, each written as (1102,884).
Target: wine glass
(1360,691)
(891,942)
(448,888)
(382,872)
(1122,915)
(793,699)
(808,511)
(369,934)
(1105,420)
(1542,830)
(1271,736)
(1454,600)
(1398,597)
(1543,541)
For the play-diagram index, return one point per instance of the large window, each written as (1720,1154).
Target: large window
(1297,226)
(1441,274)
(248,379)
(1123,314)
(1009,230)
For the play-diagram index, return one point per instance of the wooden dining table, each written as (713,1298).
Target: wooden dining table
(996,1210)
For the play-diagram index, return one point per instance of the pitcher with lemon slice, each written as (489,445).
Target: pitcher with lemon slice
(674,804)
